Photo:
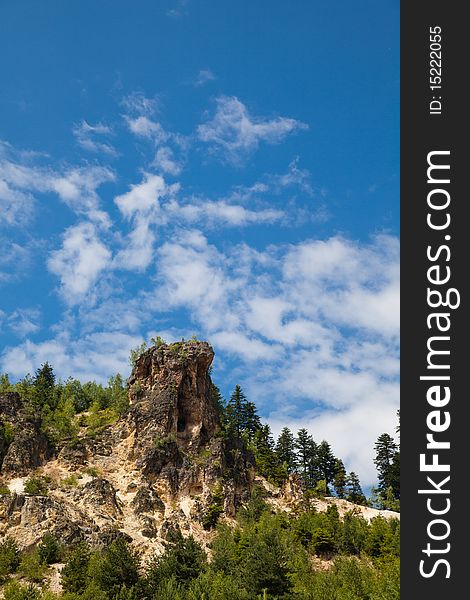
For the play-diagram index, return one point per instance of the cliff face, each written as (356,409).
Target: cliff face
(163,465)
(157,468)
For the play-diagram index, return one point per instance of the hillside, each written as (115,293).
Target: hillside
(165,468)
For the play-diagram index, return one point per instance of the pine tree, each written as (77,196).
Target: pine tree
(386,449)
(326,462)
(339,481)
(263,446)
(307,457)
(251,419)
(354,490)
(236,412)
(285,450)
(219,403)
(43,385)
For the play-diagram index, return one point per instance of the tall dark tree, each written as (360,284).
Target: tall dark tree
(251,419)
(385,449)
(219,402)
(306,456)
(354,490)
(340,479)
(266,459)
(43,385)
(326,462)
(236,412)
(285,450)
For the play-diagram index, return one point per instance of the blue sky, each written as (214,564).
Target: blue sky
(229,170)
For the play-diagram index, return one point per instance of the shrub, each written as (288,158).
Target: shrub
(16,591)
(49,549)
(9,557)
(70,481)
(32,567)
(36,485)
(73,576)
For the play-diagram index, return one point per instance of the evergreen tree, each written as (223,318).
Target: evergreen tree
(307,457)
(251,419)
(183,560)
(386,449)
(43,384)
(263,449)
(219,403)
(326,462)
(117,566)
(74,575)
(236,412)
(49,549)
(339,481)
(285,450)
(354,490)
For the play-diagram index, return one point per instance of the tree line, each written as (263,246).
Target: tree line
(264,555)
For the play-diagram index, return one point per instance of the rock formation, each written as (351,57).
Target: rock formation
(161,466)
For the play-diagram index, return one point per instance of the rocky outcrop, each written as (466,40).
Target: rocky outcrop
(23,446)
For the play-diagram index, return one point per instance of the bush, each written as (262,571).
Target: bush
(183,560)
(70,481)
(73,576)
(118,565)
(9,557)
(36,485)
(215,509)
(16,591)
(32,567)
(49,549)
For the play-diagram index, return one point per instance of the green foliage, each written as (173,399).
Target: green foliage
(36,485)
(136,352)
(49,549)
(158,341)
(353,489)
(32,567)
(215,508)
(162,442)
(5,385)
(183,560)
(70,481)
(16,591)
(4,490)
(74,575)
(9,557)
(115,567)
(387,461)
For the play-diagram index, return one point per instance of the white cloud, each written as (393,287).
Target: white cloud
(219,212)
(91,357)
(24,321)
(142,126)
(16,207)
(75,186)
(317,323)
(165,161)
(87,135)
(143,197)
(203,77)
(236,133)
(79,262)
(138,103)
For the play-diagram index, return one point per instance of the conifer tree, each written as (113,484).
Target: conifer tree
(43,386)
(236,412)
(354,490)
(326,462)
(285,450)
(386,449)
(307,456)
(339,481)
